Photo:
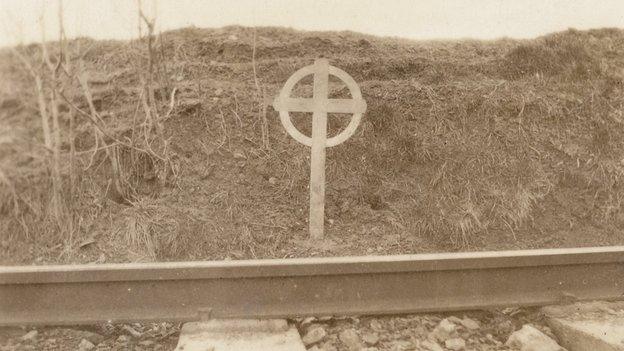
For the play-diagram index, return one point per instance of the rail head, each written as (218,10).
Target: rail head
(308,266)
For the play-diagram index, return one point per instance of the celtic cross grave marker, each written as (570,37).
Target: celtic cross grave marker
(320,105)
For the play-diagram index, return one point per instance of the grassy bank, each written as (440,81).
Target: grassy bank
(163,148)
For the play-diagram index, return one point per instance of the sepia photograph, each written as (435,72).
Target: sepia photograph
(329,175)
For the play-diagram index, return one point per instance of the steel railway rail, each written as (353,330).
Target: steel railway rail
(77,294)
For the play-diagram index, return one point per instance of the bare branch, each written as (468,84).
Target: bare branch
(105,133)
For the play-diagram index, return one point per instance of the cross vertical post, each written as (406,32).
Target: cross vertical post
(317,157)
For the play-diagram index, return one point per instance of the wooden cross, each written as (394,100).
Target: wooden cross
(320,105)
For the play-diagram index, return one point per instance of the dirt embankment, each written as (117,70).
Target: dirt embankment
(466,145)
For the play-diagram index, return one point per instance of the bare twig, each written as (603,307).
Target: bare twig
(24,61)
(45,124)
(4,179)
(105,133)
(171,104)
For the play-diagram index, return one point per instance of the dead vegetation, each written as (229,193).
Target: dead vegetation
(126,161)
(164,148)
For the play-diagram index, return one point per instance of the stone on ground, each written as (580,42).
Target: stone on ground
(401,345)
(122,339)
(239,335)
(314,335)
(370,338)
(469,323)
(31,335)
(429,345)
(351,339)
(531,339)
(455,344)
(443,331)
(596,326)
(94,338)
(328,347)
(132,331)
(454,320)
(85,345)
(146,343)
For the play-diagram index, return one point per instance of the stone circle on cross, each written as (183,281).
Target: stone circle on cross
(285,104)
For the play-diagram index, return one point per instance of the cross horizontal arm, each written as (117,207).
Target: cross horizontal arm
(328,105)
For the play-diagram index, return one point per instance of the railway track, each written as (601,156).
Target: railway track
(184,291)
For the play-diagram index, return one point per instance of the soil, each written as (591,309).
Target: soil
(465,146)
